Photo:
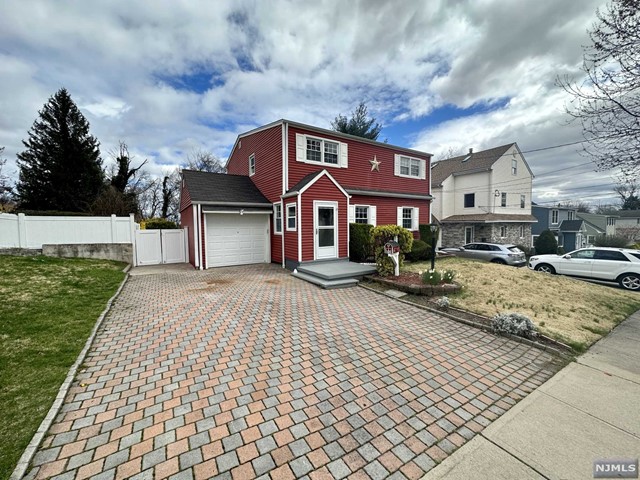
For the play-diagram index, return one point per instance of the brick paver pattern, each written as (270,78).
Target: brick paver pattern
(248,372)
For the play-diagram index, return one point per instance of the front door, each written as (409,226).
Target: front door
(326,230)
(468,234)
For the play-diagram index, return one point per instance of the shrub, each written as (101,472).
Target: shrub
(514,324)
(359,241)
(419,251)
(159,223)
(635,246)
(448,276)
(432,277)
(443,303)
(561,251)
(611,241)
(525,249)
(383,234)
(546,243)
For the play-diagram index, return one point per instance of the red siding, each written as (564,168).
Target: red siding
(267,147)
(323,189)
(291,238)
(186,221)
(185,198)
(359,174)
(387,208)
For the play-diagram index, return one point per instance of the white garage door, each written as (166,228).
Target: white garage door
(234,239)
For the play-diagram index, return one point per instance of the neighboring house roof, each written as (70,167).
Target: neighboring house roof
(598,222)
(490,218)
(465,164)
(222,189)
(571,226)
(628,213)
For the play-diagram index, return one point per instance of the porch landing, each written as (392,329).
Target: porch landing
(333,273)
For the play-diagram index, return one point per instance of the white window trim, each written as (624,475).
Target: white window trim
(514,166)
(275,217)
(415,218)
(557,217)
(521,231)
(371,214)
(295,216)
(252,160)
(523,201)
(301,151)
(464,200)
(503,199)
(422,169)
(503,229)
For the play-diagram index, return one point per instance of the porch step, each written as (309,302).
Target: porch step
(336,270)
(324,283)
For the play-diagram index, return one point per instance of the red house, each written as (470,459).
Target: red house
(291,192)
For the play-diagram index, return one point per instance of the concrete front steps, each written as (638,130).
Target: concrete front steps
(333,273)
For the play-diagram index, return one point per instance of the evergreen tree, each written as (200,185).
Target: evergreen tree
(61,168)
(546,243)
(359,124)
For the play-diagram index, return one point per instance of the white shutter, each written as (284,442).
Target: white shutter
(423,169)
(396,165)
(352,214)
(415,219)
(399,222)
(372,215)
(344,155)
(301,147)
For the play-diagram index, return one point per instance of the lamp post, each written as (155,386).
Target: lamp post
(434,229)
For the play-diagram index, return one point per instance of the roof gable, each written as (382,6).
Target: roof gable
(571,225)
(222,189)
(309,180)
(465,164)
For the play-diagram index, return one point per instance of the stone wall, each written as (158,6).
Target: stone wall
(21,252)
(453,233)
(121,252)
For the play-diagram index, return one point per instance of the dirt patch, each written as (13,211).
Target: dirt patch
(219,281)
(273,281)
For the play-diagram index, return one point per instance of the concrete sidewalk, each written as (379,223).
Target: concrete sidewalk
(588,411)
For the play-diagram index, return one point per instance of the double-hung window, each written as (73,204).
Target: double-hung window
(523,200)
(514,167)
(503,232)
(322,151)
(252,164)
(409,167)
(554,217)
(277,218)
(362,214)
(469,200)
(503,199)
(408,217)
(291,217)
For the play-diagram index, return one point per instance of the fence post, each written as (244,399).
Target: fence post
(113,228)
(22,231)
(132,232)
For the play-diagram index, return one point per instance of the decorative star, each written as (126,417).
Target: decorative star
(375,164)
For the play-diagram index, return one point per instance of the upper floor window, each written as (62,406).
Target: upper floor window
(523,201)
(252,164)
(409,167)
(469,200)
(277,218)
(503,199)
(611,221)
(554,217)
(571,215)
(291,216)
(514,167)
(320,150)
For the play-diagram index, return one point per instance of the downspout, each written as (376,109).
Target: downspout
(285,158)
(200,232)
(299,213)
(196,242)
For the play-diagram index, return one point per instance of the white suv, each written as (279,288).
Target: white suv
(599,263)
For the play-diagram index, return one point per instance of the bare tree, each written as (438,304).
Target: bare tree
(204,161)
(628,191)
(580,206)
(605,209)
(607,101)
(451,152)
(124,173)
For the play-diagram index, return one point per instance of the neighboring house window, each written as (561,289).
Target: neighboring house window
(503,232)
(571,215)
(514,167)
(503,199)
(554,217)
(291,216)
(612,221)
(521,231)
(362,214)
(533,240)
(252,164)
(591,239)
(468,234)
(469,200)
(409,167)
(408,217)
(323,151)
(277,218)
(523,201)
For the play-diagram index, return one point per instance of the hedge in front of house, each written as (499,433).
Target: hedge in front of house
(386,233)
(359,241)
(159,224)
(420,250)
(546,243)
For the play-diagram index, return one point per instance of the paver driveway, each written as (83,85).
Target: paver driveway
(248,372)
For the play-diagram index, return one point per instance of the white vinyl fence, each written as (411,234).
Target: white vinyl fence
(21,231)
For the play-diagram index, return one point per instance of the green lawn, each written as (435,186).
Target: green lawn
(48,307)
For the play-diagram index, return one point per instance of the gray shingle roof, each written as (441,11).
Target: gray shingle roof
(476,162)
(628,213)
(490,218)
(306,180)
(222,189)
(571,225)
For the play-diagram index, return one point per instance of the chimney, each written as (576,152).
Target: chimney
(470,151)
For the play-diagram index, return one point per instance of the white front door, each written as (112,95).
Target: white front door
(326,229)
(468,235)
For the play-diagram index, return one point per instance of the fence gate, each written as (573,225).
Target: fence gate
(155,247)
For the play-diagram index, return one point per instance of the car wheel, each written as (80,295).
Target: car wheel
(546,268)
(629,281)
(499,261)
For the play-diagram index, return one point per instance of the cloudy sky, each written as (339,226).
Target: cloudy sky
(167,77)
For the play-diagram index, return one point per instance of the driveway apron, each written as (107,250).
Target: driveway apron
(248,372)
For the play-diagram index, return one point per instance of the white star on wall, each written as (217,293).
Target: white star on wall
(375,164)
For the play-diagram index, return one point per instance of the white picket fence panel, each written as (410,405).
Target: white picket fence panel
(155,247)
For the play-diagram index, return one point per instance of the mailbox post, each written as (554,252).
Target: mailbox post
(392,249)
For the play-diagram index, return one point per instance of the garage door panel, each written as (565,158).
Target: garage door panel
(237,239)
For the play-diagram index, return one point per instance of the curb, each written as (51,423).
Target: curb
(544,348)
(30,451)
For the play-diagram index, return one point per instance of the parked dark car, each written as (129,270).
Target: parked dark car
(490,252)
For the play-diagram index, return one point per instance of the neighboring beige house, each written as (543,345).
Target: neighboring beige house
(483,197)
(598,225)
(628,224)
